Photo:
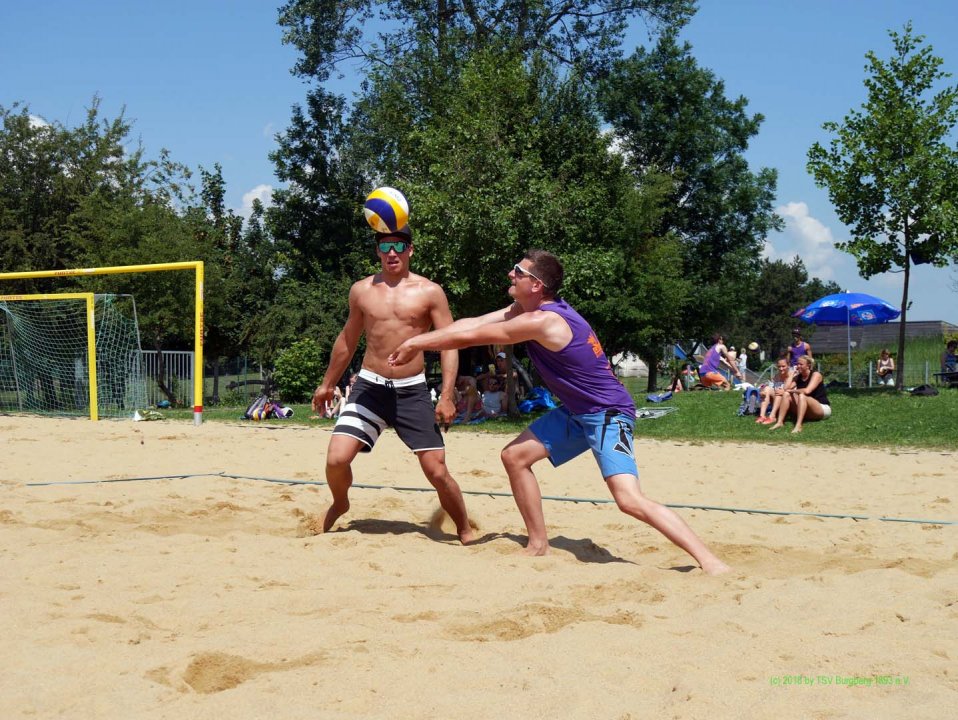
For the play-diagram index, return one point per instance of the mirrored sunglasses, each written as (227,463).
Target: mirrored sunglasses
(398,245)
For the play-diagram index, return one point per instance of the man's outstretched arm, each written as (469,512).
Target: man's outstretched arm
(497,328)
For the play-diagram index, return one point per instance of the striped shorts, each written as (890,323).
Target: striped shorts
(376,403)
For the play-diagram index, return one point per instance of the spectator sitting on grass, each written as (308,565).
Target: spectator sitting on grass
(493,400)
(886,368)
(773,391)
(949,358)
(467,399)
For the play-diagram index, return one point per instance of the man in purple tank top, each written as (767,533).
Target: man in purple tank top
(597,412)
(798,348)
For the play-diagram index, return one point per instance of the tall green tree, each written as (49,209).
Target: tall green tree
(316,225)
(466,111)
(52,178)
(517,159)
(674,121)
(315,218)
(892,169)
(780,289)
(587,34)
(88,197)
(514,160)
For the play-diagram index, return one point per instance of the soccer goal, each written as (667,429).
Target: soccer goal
(79,353)
(70,354)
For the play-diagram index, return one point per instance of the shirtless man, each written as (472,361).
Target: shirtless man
(598,413)
(390,307)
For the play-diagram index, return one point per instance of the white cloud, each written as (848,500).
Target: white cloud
(263,193)
(808,238)
(814,242)
(269,130)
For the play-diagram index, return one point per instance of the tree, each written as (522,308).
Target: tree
(315,220)
(890,172)
(87,197)
(52,180)
(413,75)
(514,160)
(486,116)
(586,34)
(780,289)
(676,125)
(316,227)
(494,147)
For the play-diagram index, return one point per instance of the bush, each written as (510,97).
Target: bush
(299,369)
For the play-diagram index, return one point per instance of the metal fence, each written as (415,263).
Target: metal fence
(866,376)
(920,373)
(177,375)
(239,378)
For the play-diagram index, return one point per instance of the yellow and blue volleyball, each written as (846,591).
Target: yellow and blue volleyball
(386,210)
(259,414)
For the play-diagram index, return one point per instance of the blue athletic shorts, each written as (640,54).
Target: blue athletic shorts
(608,434)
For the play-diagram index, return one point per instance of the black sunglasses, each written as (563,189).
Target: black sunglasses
(398,245)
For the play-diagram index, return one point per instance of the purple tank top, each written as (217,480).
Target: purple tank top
(710,363)
(580,374)
(795,352)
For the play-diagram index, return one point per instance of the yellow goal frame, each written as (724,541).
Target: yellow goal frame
(90,336)
(195,265)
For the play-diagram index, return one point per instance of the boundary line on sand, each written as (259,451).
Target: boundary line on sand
(492,493)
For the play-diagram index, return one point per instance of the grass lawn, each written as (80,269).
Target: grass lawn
(860,418)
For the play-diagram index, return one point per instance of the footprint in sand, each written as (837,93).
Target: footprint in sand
(535,619)
(475,472)
(214,672)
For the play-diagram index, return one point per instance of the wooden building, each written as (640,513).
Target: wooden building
(834,338)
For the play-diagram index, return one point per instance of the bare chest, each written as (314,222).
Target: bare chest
(406,305)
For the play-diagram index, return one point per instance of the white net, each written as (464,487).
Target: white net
(44,365)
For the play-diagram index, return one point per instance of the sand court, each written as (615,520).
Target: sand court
(204,594)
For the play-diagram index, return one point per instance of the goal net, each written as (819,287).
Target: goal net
(55,348)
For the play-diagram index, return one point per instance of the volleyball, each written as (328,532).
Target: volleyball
(386,210)
(259,414)
(753,345)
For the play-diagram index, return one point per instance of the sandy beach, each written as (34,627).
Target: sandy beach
(146,573)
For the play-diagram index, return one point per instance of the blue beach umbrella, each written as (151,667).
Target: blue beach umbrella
(848,309)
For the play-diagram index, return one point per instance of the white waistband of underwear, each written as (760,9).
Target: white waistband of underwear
(372,377)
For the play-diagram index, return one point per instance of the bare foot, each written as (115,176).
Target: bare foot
(440,517)
(776,426)
(310,525)
(469,535)
(796,429)
(536,550)
(716,567)
(333,513)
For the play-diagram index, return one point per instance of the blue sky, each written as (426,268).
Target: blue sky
(209,80)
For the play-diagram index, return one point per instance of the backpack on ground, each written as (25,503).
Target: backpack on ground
(538,398)
(659,397)
(925,391)
(260,409)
